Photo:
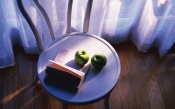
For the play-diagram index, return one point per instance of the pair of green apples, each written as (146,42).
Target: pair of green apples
(98,60)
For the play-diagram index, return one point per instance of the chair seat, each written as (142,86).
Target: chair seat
(96,84)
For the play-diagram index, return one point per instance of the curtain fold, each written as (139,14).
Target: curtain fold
(147,23)
(6,52)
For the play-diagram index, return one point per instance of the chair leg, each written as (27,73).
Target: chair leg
(34,82)
(106,101)
(65,106)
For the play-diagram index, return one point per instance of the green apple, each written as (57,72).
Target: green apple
(81,57)
(98,61)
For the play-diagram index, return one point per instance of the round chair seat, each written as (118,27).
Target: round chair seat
(96,84)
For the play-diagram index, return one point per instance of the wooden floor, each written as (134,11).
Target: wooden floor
(146,82)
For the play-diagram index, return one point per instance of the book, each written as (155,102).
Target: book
(63,72)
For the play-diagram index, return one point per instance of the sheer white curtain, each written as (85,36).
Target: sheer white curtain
(146,23)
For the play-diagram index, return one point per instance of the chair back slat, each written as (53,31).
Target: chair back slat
(46,17)
(87,16)
(32,26)
(69,16)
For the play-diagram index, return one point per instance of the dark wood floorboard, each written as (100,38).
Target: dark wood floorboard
(146,82)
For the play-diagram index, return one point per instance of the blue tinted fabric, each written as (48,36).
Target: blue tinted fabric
(147,23)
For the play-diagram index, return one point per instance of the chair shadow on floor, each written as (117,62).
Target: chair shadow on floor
(26,97)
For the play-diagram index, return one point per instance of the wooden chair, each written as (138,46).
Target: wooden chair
(115,71)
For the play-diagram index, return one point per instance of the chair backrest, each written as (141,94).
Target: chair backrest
(46,17)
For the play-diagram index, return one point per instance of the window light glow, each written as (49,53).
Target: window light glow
(113,14)
(160,2)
